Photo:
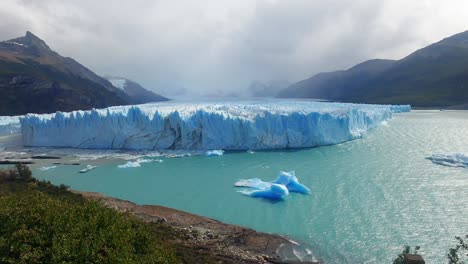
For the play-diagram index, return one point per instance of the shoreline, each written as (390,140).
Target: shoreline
(230,243)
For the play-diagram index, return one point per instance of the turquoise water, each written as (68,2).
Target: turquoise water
(370,197)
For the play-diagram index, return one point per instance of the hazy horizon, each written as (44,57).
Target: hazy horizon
(221,47)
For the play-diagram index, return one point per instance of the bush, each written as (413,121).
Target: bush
(8,175)
(24,173)
(36,227)
(401,257)
(455,256)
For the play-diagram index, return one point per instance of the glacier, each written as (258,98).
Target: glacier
(9,125)
(450,159)
(278,189)
(235,125)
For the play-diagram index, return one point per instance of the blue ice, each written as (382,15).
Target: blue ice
(253,125)
(277,189)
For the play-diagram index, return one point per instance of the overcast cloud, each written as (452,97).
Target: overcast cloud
(213,45)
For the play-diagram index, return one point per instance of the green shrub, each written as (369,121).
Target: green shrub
(456,255)
(401,257)
(36,227)
(24,173)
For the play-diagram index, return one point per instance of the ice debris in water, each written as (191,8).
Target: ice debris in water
(88,168)
(137,163)
(214,153)
(130,164)
(450,159)
(277,189)
(205,126)
(45,168)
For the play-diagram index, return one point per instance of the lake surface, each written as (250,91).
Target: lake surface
(370,197)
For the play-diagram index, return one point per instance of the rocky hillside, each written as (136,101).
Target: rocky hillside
(133,89)
(35,79)
(435,76)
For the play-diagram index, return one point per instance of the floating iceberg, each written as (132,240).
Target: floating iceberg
(274,192)
(206,126)
(450,159)
(213,153)
(277,189)
(88,168)
(47,168)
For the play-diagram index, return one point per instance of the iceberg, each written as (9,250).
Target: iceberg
(274,192)
(88,168)
(47,168)
(214,153)
(285,183)
(289,180)
(450,159)
(250,125)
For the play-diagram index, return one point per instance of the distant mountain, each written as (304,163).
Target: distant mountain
(133,89)
(435,76)
(267,89)
(35,79)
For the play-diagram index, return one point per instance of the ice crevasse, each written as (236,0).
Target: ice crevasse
(206,126)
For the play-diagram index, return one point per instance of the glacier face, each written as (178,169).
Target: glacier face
(9,125)
(207,126)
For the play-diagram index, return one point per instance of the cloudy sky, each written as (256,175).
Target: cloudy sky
(222,45)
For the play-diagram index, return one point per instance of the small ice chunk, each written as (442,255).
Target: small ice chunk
(137,163)
(450,159)
(47,168)
(214,153)
(130,164)
(88,168)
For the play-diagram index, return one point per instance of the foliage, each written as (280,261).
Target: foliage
(401,257)
(24,173)
(42,223)
(21,173)
(455,256)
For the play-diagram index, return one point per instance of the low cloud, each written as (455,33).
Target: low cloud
(220,45)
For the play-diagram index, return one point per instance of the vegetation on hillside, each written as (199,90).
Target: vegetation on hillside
(42,223)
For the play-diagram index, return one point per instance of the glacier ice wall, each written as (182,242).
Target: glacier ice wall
(9,125)
(207,126)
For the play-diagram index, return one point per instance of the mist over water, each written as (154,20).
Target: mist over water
(370,197)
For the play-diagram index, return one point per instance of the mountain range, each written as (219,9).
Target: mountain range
(36,79)
(133,89)
(434,76)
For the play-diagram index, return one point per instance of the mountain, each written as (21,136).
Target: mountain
(36,79)
(133,89)
(434,76)
(267,89)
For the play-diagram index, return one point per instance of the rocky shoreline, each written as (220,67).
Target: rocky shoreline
(228,243)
